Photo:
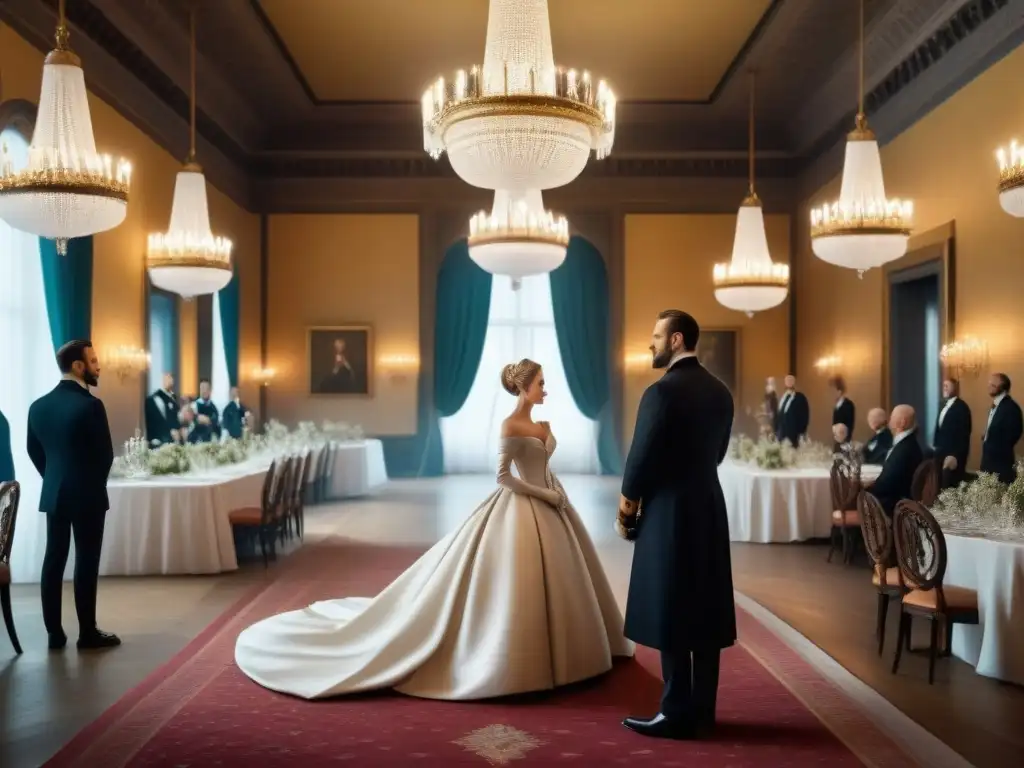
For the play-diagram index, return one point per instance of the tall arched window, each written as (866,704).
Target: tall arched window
(220,385)
(163,337)
(29,370)
(520,324)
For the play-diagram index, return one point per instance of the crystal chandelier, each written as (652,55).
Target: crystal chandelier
(863,229)
(67,189)
(188,259)
(964,357)
(518,123)
(751,282)
(518,237)
(1011,179)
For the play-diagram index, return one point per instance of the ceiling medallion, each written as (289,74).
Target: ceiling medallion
(67,189)
(862,229)
(188,259)
(751,282)
(518,126)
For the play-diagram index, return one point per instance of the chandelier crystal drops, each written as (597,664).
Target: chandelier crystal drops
(67,189)
(751,282)
(863,229)
(518,237)
(1011,179)
(188,259)
(518,123)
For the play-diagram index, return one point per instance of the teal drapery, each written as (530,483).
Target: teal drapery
(460,328)
(6,455)
(580,300)
(67,283)
(229,322)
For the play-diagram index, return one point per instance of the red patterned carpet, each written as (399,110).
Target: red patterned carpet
(198,710)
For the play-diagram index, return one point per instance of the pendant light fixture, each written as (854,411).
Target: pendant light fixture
(751,282)
(862,229)
(67,189)
(188,259)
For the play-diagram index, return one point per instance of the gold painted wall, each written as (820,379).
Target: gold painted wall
(668,265)
(119,255)
(344,269)
(946,165)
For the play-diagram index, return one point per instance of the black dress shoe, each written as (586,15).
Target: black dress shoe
(98,639)
(57,641)
(661,727)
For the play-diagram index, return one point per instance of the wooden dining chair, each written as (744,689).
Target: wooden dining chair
(927,482)
(844,486)
(327,480)
(885,576)
(263,523)
(921,557)
(10,498)
(320,470)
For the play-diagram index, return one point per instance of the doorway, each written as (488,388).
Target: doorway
(915,341)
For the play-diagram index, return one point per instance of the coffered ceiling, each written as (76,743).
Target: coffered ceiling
(387,50)
(292,91)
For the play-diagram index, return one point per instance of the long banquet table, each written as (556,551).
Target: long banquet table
(779,505)
(358,468)
(178,524)
(993,566)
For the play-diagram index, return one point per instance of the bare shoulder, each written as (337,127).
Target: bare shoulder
(518,427)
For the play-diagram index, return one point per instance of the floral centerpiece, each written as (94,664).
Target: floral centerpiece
(769,453)
(983,505)
(170,459)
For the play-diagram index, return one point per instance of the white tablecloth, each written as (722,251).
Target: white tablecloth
(995,568)
(779,505)
(358,468)
(177,525)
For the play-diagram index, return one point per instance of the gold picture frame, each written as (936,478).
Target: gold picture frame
(718,343)
(340,360)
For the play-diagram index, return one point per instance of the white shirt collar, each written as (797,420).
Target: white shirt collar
(896,440)
(841,400)
(78,381)
(998,399)
(679,356)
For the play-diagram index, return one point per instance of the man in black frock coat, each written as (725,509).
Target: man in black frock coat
(69,443)
(794,414)
(951,443)
(680,590)
(844,411)
(1003,431)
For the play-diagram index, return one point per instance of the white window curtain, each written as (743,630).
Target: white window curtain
(31,371)
(220,385)
(520,324)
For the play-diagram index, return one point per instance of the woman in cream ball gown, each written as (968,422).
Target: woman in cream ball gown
(513,600)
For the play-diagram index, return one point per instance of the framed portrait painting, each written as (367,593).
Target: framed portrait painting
(719,351)
(341,360)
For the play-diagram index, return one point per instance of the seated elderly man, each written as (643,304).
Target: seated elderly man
(877,448)
(893,484)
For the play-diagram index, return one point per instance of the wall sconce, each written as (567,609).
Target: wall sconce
(828,365)
(126,361)
(964,357)
(399,367)
(637,363)
(263,376)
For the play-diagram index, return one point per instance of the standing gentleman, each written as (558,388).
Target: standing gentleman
(235,414)
(162,424)
(206,427)
(844,411)
(680,590)
(69,443)
(794,414)
(952,439)
(1003,431)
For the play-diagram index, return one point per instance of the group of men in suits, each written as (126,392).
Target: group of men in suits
(195,421)
(791,413)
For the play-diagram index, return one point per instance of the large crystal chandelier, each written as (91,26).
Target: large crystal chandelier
(67,189)
(751,282)
(188,259)
(518,237)
(863,229)
(519,125)
(1011,179)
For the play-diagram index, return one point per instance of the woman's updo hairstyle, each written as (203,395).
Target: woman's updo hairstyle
(517,377)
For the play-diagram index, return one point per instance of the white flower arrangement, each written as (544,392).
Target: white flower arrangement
(342,432)
(769,453)
(170,459)
(983,505)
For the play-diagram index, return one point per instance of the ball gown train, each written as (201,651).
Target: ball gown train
(514,600)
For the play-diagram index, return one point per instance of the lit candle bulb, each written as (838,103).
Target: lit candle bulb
(588,89)
(570,85)
(460,85)
(473,86)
